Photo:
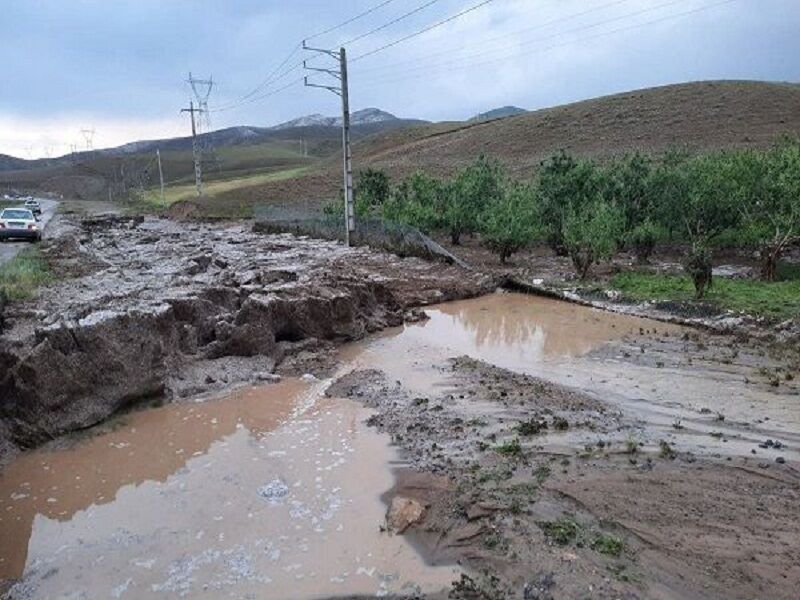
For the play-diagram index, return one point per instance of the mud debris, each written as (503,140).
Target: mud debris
(173,310)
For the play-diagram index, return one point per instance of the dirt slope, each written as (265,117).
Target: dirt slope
(701,115)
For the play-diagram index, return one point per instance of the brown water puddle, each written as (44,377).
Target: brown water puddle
(555,340)
(272,491)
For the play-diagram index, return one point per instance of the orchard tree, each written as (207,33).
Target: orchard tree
(708,209)
(768,194)
(669,183)
(631,187)
(468,194)
(591,232)
(417,201)
(511,222)
(641,239)
(372,189)
(565,184)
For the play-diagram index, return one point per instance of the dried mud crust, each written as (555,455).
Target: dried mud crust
(161,308)
(521,486)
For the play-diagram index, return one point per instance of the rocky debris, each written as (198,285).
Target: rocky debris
(183,313)
(403,512)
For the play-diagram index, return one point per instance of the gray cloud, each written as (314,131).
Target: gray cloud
(122,64)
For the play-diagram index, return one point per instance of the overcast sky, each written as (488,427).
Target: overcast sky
(119,66)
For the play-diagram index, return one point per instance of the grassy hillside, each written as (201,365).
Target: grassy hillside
(700,116)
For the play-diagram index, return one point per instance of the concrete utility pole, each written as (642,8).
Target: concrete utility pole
(198,169)
(347,159)
(160,174)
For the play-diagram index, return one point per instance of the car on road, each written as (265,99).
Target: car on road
(19,223)
(33,206)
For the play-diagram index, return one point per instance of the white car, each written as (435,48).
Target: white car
(19,223)
(33,206)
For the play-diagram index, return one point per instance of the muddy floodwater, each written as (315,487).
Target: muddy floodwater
(275,491)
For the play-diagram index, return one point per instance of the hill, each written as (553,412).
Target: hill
(499,113)
(309,128)
(697,116)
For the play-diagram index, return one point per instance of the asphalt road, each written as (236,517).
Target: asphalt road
(10,249)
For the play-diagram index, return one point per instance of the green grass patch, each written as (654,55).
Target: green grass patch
(608,545)
(778,300)
(176,193)
(23,275)
(563,531)
(512,448)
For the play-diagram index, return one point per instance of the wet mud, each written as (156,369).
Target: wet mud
(664,472)
(170,310)
(314,434)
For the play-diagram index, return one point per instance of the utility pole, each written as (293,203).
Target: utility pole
(160,174)
(347,162)
(198,169)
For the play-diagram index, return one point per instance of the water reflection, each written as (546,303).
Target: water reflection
(516,330)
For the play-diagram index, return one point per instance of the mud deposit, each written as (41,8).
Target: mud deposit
(155,308)
(592,455)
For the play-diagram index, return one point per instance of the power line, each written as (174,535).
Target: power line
(390,23)
(588,38)
(266,81)
(348,21)
(275,76)
(503,37)
(422,31)
(456,60)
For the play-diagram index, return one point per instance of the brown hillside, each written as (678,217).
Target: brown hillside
(700,116)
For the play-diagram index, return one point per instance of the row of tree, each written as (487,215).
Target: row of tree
(588,210)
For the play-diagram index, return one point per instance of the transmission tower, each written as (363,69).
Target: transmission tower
(88,136)
(202,88)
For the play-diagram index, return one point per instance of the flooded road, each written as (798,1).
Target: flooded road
(275,491)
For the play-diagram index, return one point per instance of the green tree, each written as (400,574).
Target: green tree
(372,189)
(591,232)
(630,188)
(565,184)
(641,239)
(669,183)
(511,222)
(707,210)
(768,194)
(417,201)
(468,194)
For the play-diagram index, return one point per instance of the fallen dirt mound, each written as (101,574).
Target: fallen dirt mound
(169,306)
(183,210)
